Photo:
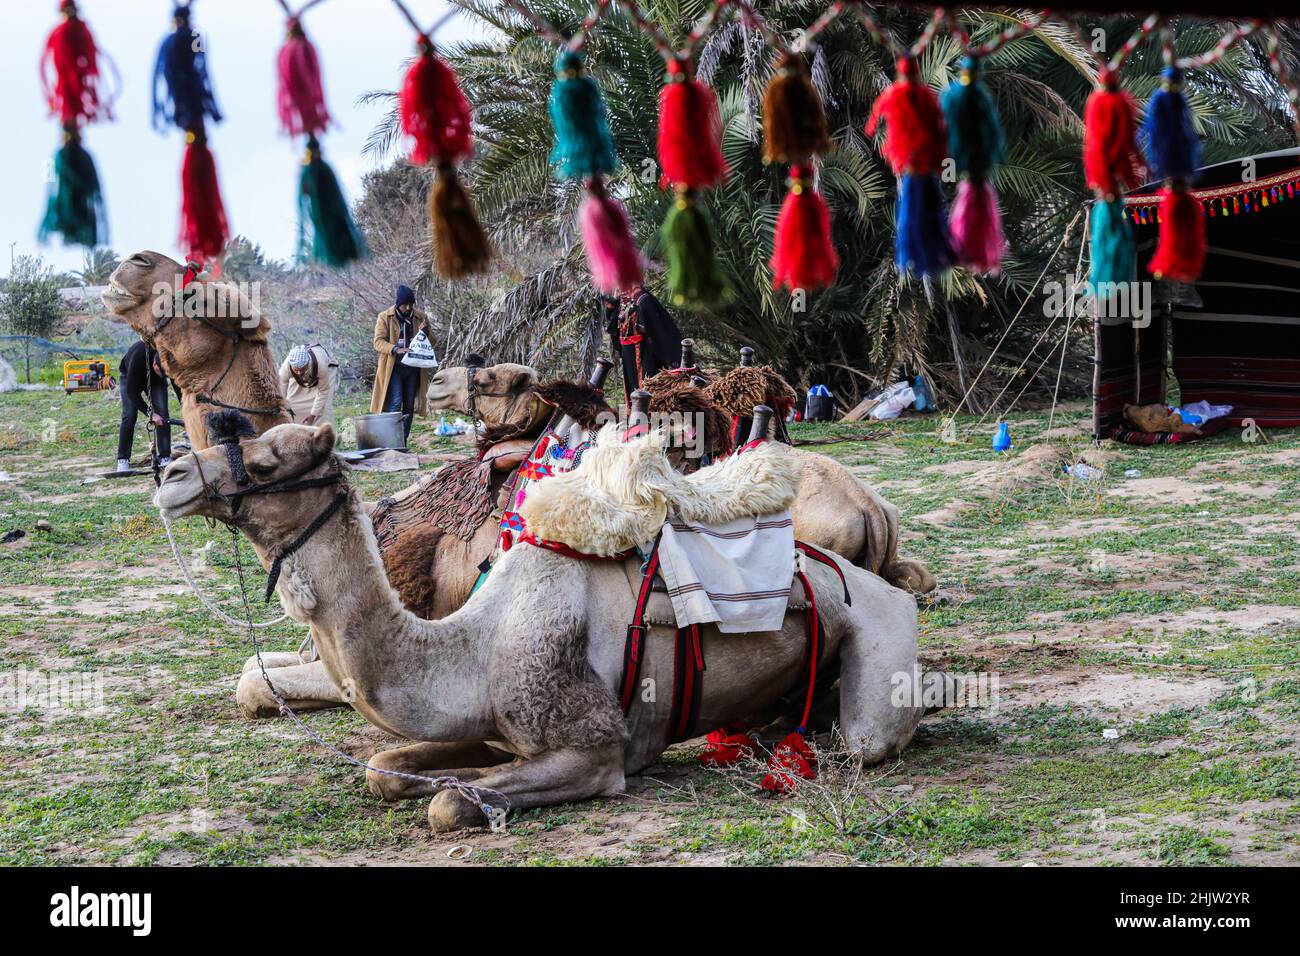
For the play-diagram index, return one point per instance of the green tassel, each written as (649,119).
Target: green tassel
(694,278)
(584,147)
(975,138)
(326,232)
(1114,256)
(75,209)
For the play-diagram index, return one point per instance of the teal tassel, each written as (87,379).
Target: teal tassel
(975,137)
(694,278)
(1114,255)
(326,232)
(584,147)
(75,209)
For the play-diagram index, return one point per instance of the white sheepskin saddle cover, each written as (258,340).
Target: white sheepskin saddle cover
(623,491)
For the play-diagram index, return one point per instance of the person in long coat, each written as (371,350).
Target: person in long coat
(641,333)
(399,387)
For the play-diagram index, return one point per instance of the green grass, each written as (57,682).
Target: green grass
(1057,587)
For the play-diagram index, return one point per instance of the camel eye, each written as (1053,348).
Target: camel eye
(260,469)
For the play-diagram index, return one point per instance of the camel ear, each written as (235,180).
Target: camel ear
(322,443)
(522,380)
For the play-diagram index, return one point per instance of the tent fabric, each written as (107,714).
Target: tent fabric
(1240,345)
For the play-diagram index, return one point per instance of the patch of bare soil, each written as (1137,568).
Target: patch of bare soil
(1180,491)
(1126,696)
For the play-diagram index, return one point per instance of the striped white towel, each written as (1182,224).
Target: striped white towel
(736,574)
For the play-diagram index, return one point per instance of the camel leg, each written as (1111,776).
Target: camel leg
(303,687)
(429,760)
(272,659)
(555,776)
(878,714)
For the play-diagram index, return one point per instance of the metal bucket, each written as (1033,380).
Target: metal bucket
(379,430)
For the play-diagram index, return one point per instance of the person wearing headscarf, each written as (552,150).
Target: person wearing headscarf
(398,387)
(641,333)
(308,378)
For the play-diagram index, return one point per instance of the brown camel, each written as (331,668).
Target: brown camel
(516,691)
(834,510)
(210,338)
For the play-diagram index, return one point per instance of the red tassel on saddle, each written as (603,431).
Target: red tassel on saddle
(803,256)
(204,230)
(301,96)
(1180,249)
(70,51)
(916,139)
(690,131)
(1112,162)
(434,111)
(791,759)
(728,746)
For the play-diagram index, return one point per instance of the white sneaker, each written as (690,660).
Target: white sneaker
(123,464)
(163,463)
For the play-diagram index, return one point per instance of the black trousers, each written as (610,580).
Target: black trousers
(133,405)
(402,386)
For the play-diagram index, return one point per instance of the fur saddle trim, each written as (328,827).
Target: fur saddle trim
(621,493)
(582,402)
(737,392)
(676,395)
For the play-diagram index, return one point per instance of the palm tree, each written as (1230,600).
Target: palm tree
(872,321)
(97,265)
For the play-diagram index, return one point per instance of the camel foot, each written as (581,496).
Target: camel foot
(450,811)
(909,576)
(465,761)
(303,686)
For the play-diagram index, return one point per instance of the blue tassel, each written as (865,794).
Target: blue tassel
(1173,148)
(584,147)
(182,91)
(1113,252)
(923,243)
(975,139)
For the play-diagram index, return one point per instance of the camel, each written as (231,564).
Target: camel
(210,338)
(516,692)
(834,511)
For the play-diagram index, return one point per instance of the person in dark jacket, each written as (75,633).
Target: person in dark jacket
(641,333)
(142,384)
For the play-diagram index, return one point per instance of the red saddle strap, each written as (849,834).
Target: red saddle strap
(634,646)
(821,557)
(688,678)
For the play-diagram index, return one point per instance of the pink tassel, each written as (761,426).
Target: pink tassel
(612,253)
(301,97)
(977,227)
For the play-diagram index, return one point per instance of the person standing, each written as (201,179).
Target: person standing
(308,378)
(641,333)
(399,387)
(142,386)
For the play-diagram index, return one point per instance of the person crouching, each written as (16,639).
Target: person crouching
(308,379)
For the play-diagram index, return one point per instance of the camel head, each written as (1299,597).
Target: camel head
(498,390)
(191,327)
(207,482)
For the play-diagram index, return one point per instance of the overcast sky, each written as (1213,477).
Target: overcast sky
(362,45)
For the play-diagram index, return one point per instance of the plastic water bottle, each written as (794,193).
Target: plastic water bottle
(1002,437)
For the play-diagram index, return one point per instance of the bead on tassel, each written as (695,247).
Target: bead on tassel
(690,131)
(326,232)
(584,146)
(794,122)
(1180,248)
(204,230)
(70,53)
(1112,163)
(803,256)
(977,145)
(300,96)
(612,253)
(1111,245)
(693,275)
(182,94)
(75,208)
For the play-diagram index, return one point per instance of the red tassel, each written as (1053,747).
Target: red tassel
(976,227)
(71,52)
(791,759)
(612,253)
(203,217)
(803,256)
(434,111)
(1180,250)
(916,140)
(725,748)
(301,97)
(1112,163)
(690,132)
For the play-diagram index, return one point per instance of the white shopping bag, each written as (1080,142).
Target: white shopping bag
(421,354)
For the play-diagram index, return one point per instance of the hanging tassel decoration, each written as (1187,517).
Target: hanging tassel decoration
(70,54)
(436,116)
(326,232)
(803,256)
(204,230)
(300,97)
(1112,246)
(1173,148)
(182,94)
(1112,163)
(977,145)
(690,131)
(612,253)
(794,122)
(694,277)
(1180,249)
(922,244)
(584,146)
(75,208)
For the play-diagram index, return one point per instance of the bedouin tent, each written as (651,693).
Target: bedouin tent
(1233,336)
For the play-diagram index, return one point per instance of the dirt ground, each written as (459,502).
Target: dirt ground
(1139,632)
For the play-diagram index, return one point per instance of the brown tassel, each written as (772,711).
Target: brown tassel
(459,246)
(794,124)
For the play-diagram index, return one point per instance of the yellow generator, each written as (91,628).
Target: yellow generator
(86,375)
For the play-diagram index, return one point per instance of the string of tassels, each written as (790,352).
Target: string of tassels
(1174,155)
(71,79)
(977,145)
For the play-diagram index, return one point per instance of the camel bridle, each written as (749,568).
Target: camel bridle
(473,394)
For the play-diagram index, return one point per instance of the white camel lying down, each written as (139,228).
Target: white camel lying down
(516,690)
